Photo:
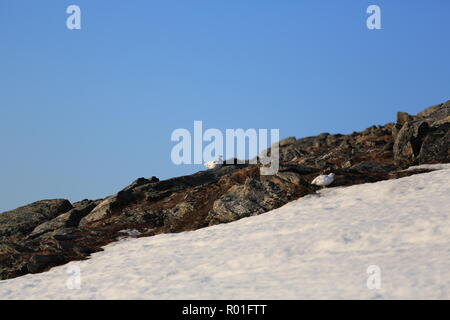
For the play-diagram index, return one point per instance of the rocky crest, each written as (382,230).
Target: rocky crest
(47,233)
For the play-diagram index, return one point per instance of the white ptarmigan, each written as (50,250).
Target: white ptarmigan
(214,164)
(323,180)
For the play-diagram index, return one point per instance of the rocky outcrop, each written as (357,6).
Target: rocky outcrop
(102,210)
(47,233)
(435,113)
(436,145)
(364,167)
(66,220)
(24,219)
(253,197)
(41,261)
(423,138)
(409,141)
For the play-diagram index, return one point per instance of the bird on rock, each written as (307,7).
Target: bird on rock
(214,164)
(323,180)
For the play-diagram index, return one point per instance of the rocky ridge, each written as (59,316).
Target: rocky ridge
(47,233)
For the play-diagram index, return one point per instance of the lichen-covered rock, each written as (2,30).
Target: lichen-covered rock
(287,141)
(141,216)
(423,139)
(252,198)
(291,177)
(69,219)
(24,219)
(373,167)
(436,145)
(102,210)
(38,263)
(409,141)
(403,117)
(436,112)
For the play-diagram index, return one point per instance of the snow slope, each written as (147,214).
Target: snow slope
(317,247)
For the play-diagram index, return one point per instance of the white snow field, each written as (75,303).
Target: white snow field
(318,247)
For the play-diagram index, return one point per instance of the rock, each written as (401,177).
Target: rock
(133,233)
(403,117)
(65,234)
(296,167)
(428,111)
(13,248)
(142,216)
(153,191)
(290,152)
(395,130)
(252,198)
(287,141)
(69,219)
(388,127)
(436,146)
(38,263)
(181,209)
(430,128)
(58,232)
(290,177)
(347,164)
(83,203)
(24,219)
(373,167)
(315,163)
(389,146)
(140,182)
(439,111)
(345,144)
(84,251)
(375,131)
(102,210)
(441,122)
(106,207)
(409,141)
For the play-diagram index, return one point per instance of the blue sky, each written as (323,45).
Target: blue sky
(85,112)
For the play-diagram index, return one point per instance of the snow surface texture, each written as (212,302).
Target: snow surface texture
(318,247)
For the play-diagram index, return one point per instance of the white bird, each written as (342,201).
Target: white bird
(323,180)
(214,164)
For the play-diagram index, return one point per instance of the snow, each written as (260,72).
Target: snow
(318,247)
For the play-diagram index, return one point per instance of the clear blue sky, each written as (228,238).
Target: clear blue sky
(83,113)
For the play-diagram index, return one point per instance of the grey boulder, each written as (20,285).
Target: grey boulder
(24,219)
(66,220)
